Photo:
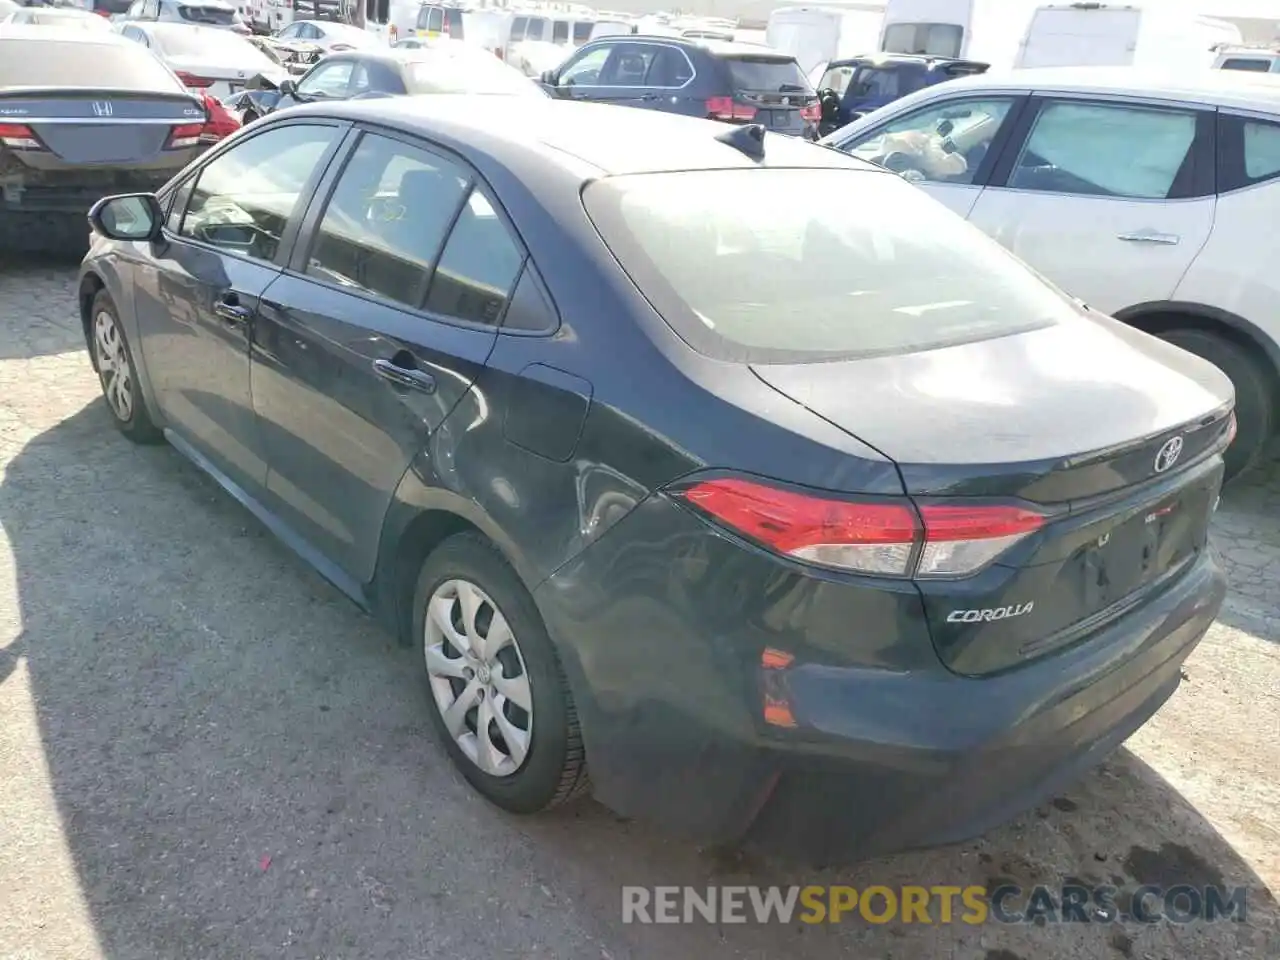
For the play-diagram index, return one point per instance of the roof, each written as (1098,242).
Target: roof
(576,135)
(1235,88)
(719,48)
(924,59)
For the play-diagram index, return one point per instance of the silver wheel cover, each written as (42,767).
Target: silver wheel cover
(478,677)
(113,366)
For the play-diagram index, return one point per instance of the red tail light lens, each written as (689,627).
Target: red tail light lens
(811,113)
(185,135)
(221,121)
(880,537)
(191,80)
(725,108)
(18,136)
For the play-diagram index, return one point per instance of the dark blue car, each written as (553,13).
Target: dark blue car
(732,82)
(857,85)
(723,474)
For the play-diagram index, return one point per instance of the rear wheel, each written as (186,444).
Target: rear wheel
(1255,400)
(499,698)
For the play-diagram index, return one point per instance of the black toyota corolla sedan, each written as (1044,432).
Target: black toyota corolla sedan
(717,470)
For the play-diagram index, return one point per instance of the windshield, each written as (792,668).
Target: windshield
(821,264)
(767,74)
(468,74)
(929,39)
(91,64)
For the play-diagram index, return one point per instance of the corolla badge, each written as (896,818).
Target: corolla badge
(991,613)
(1169,454)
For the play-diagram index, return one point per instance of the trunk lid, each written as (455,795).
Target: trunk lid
(1110,434)
(98,126)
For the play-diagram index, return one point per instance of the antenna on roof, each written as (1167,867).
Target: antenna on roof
(748,139)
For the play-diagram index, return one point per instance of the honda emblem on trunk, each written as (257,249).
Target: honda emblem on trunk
(1168,454)
(102,109)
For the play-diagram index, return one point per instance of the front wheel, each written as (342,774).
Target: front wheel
(1255,401)
(499,698)
(117,373)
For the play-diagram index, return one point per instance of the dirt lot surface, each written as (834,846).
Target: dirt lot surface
(205,752)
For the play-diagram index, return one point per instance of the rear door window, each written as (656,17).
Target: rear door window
(386,220)
(669,68)
(767,74)
(582,31)
(478,267)
(560,31)
(1105,149)
(822,263)
(629,65)
(1248,152)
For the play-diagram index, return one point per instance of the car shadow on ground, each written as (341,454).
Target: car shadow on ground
(41,315)
(241,766)
(1247,535)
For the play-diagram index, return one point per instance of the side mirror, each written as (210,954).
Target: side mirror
(549,77)
(288,87)
(128,216)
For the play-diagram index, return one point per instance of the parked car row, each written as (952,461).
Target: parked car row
(725,475)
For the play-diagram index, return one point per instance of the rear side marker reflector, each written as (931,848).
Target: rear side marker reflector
(777,708)
(878,537)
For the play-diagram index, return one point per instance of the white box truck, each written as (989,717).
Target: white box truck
(989,31)
(1157,34)
(816,35)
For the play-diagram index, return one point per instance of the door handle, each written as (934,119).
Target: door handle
(229,309)
(1150,236)
(404,376)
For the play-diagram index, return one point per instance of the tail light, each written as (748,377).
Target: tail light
(18,136)
(222,123)
(191,80)
(884,537)
(185,135)
(724,108)
(811,112)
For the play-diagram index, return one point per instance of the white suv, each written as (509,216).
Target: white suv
(1153,199)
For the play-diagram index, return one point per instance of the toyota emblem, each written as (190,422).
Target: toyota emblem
(1168,454)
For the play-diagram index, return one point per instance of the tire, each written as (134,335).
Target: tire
(113,359)
(553,769)
(1255,400)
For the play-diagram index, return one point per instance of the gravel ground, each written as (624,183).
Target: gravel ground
(205,752)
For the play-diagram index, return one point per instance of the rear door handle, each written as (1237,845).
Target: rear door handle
(1150,236)
(404,376)
(228,308)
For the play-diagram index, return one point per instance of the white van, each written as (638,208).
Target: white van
(1153,34)
(990,31)
(817,35)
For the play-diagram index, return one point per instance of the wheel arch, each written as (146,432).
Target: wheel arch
(90,285)
(420,518)
(1163,315)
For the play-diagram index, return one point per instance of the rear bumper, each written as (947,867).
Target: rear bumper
(882,758)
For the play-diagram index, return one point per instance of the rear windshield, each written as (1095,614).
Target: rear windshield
(787,265)
(479,74)
(197,13)
(185,42)
(887,83)
(1241,63)
(65,63)
(767,74)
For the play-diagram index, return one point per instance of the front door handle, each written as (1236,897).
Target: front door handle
(405,376)
(229,309)
(1150,236)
